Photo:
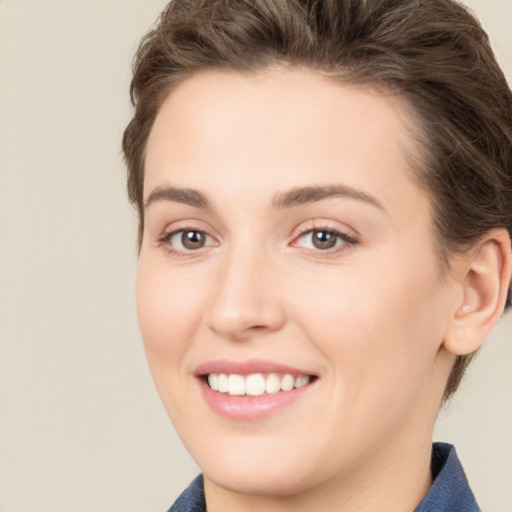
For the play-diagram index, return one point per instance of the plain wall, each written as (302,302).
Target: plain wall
(81,426)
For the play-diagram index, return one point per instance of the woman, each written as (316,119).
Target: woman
(324,192)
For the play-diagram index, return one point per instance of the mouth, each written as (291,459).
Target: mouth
(255,384)
(252,389)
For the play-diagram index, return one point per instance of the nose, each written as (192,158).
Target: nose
(245,302)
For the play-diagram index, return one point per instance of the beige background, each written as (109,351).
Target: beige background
(81,427)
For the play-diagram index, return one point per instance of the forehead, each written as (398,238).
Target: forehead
(277,129)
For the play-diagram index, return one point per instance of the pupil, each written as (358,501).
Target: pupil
(192,239)
(324,240)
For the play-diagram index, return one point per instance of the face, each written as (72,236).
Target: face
(288,258)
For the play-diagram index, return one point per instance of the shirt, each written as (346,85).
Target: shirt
(450,491)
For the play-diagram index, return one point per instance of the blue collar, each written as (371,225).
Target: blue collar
(450,491)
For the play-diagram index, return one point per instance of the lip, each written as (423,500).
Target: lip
(244,408)
(247,367)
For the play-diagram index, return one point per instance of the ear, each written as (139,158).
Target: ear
(485,278)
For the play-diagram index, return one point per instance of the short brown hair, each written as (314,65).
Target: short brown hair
(432,52)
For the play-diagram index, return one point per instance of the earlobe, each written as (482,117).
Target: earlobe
(485,282)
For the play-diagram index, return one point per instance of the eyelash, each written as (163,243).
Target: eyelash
(343,240)
(166,238)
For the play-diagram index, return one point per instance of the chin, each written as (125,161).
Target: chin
(260,481)
(261,466)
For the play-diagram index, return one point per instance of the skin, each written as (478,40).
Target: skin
(369,318)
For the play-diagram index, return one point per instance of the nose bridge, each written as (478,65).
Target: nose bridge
(245,299)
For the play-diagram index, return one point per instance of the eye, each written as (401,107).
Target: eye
(323,239)
(187,240)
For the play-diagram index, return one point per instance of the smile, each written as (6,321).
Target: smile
(253,389)
(255,384)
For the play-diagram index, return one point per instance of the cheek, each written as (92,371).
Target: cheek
(169,309)
(377,327)
(168,313)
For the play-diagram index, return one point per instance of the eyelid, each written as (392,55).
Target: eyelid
(346,235)
(339,234)
(186,225)
(326,226)
(172,234)
(171,230)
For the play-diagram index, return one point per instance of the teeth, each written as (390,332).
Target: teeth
(223,383)
(213,381)
(255,384)
(287,383)
(301,381)
(236,385)
(273,384)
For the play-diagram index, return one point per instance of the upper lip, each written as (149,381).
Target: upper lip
(247,367)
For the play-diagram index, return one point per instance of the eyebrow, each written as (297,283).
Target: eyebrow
(304,195)
(178,195)
(295,197)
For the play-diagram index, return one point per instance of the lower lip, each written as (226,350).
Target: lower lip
(245,408)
